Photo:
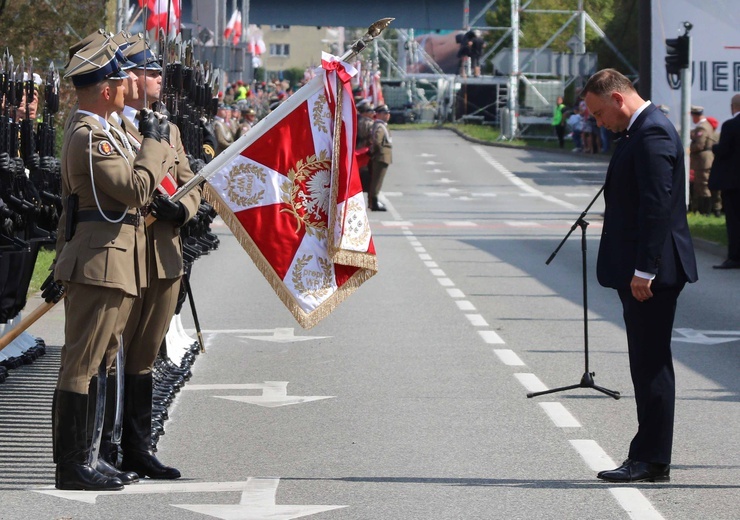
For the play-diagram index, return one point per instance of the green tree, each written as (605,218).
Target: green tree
(43,31)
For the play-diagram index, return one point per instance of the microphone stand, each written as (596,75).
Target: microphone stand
(587,380)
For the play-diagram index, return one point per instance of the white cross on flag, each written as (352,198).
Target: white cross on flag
(291,194)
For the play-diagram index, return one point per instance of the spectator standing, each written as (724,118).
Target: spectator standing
(381,156)
(701,158)
(575,123)
(726,177)
(558,121)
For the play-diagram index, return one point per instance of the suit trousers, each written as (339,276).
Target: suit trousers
(649,325)
(731,203)
(147,326)
(95,317)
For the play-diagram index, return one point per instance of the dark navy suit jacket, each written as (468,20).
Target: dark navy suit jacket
(645,225)
(726,166)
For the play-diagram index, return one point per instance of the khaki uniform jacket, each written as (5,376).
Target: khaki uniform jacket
(102,253)
(224,135)
(382,146)
(165,246)
(703,138)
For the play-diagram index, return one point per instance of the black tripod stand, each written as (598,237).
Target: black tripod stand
(587,380)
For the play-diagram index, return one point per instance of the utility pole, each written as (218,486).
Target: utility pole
(514,77)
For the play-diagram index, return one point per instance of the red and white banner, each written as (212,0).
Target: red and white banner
(290,191)
(234,27)
(156,17)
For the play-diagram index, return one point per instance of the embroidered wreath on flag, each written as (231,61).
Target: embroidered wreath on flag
(319,282)
(320,112)
(240,184)
(309,195)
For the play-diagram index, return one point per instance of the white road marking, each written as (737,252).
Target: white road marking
(531,382)
(460,223)
(445,180)
(420,249)
(436,194)
(274,393)
(476,320)
(490,337)
(703,336)
(465,305)
(437,272)
(409,234)
(578,195)
(425,256)
(430,263)
(455,293)
(284,335)
(393,194)
(559,415)
(592,454)
(437,170)
(413,242)
(508,357)
(522,223)
(432,163)
(516,181)
(396,223)
(445,282)
(634,502)
(484,194)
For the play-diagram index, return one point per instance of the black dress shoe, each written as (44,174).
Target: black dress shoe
(636,471)
(378,206)
(728,264)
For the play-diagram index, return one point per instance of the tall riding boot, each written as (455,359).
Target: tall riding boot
(136,439)
(71,446)
(108,453)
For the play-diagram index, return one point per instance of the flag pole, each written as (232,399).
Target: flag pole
(227,155)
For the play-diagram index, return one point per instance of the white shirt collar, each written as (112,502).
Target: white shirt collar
(130,114)
(637,113)
(101,120)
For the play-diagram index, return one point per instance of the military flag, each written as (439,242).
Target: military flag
(290,192)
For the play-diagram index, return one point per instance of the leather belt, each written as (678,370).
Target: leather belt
(93,215)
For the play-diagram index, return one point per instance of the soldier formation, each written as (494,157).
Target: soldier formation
(124,250)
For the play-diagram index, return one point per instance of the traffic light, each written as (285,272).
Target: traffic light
(677,57)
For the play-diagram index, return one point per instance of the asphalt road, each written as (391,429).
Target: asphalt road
(409,401)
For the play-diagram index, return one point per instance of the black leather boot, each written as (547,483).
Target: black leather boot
(71,446)
(136,440)
(109,451)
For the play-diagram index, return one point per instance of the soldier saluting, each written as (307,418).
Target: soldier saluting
(100,257)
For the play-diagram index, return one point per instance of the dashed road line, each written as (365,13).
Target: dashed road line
(560,415)
(455,293)
(476,320)
(634,502)
(531,382)
(490,337)
(508,357)
(593,454)
(465,305)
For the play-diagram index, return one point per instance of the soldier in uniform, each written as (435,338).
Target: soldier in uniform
(153,310)
(222,128)
(365,120)
(100,257)
(702,139)
(381,156)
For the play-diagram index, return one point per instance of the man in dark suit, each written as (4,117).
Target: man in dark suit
(646,254)
(725,176)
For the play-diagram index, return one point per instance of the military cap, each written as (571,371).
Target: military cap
(93,64)
(697,110)
(141,55)
(382,109)
(98,38)
(250,112)
(365,106)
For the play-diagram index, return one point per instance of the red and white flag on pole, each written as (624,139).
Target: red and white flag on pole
(290,192)
(234,27)
(156,17)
